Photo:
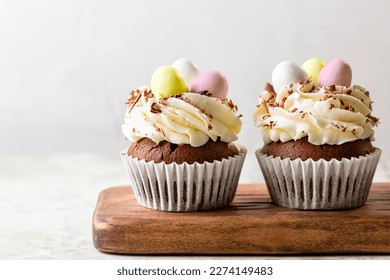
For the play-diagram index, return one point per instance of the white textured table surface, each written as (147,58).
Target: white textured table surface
(47,202)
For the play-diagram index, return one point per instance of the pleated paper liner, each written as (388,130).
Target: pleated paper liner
(319,185)
(185,187)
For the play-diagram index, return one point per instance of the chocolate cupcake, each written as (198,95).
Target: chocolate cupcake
(182,157)
(169,153)
(318,152)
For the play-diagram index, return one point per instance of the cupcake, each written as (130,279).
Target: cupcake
(182,157)
(317,130)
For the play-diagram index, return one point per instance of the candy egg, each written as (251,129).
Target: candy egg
(187,69)
(313,67)
(287,72)
(167,81)
(213,81)
(336,72)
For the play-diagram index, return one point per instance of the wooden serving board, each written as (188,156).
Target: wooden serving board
(252,225)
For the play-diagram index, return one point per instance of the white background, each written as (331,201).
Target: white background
(66,67)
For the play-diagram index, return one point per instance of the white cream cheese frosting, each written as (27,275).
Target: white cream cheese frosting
(326,115)
(189,118)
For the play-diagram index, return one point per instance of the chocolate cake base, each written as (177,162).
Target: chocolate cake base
(167,152)
(304,150)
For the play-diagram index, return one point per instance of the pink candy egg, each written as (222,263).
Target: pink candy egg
(336,72)
(213,81)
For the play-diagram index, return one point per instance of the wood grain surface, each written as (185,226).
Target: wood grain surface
(252,225)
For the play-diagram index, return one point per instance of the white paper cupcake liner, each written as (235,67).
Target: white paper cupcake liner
(319,185)
(185,187)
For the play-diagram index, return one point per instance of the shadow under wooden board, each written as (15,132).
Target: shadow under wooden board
(252,225)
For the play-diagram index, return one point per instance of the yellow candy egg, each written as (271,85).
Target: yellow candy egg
(167,81)
(313,68)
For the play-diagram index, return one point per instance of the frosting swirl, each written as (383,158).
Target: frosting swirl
(326,115)
(189,118)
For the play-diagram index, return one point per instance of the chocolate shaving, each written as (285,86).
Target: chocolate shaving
(205,92)
(163,101)
(132,96)
(329,94)
(135,95)
(305,81)
(154,108)
(283,101)
(210,127)
(306,85)
(148,94)
(270,88)
(331,88)
(294,110)
(272,124)
(373,120)
(232,105)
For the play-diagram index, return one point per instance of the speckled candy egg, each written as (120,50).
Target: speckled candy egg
(287,72)
(213,81)
(187,69)
(335,72)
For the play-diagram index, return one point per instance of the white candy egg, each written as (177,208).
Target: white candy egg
(187,69)
(287,72)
